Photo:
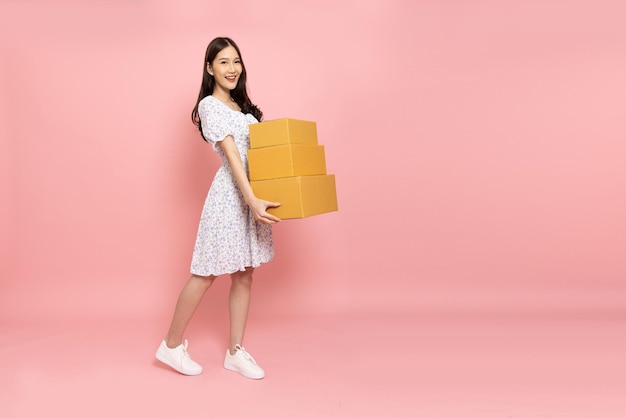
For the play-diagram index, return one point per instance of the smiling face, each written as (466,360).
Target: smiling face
(225,69)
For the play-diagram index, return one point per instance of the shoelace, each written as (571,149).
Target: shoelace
(185,353)
(245,354)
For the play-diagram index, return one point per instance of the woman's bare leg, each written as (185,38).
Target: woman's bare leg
(188,302)
(239,302)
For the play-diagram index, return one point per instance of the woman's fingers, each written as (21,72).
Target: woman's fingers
(259,210)
(271,218)
(266,218)
(269,215)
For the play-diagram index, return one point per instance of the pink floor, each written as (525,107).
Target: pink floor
(431,365)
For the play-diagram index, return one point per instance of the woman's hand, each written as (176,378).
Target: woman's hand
(259,210)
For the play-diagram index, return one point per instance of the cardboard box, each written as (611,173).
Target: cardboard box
(282,131)
(286,161)
(299,196)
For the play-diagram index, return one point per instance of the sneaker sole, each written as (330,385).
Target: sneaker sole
(234,369)
(166,361)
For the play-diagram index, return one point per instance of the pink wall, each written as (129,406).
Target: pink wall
(478,147)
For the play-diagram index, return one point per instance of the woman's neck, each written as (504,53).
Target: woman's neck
(222,96)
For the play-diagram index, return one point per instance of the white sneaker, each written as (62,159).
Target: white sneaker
(178,358)
(242,362)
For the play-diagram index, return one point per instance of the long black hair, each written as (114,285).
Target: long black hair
(239,93)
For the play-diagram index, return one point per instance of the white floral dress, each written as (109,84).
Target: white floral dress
(229,239)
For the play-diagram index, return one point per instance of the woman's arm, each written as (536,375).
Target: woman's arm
(258,206)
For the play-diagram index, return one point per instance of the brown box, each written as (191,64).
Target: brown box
(282,131)
(286,161)
(299,196)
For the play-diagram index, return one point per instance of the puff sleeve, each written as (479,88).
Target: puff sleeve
(214,120)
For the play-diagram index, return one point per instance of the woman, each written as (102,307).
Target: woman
(234,235)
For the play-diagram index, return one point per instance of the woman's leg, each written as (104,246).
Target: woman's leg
(239,360)
(188,302)
(239,302)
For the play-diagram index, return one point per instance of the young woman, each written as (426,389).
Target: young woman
(235,233)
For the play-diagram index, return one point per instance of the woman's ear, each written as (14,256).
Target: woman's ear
(208,69)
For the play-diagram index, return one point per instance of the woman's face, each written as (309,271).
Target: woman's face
(226,69)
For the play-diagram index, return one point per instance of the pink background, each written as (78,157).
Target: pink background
(478,148)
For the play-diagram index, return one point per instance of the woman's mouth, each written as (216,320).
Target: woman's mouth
(232,78)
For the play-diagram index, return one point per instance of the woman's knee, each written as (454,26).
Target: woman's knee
(205,281)
(242,278)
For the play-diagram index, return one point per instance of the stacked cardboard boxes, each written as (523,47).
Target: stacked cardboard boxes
(287,165)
